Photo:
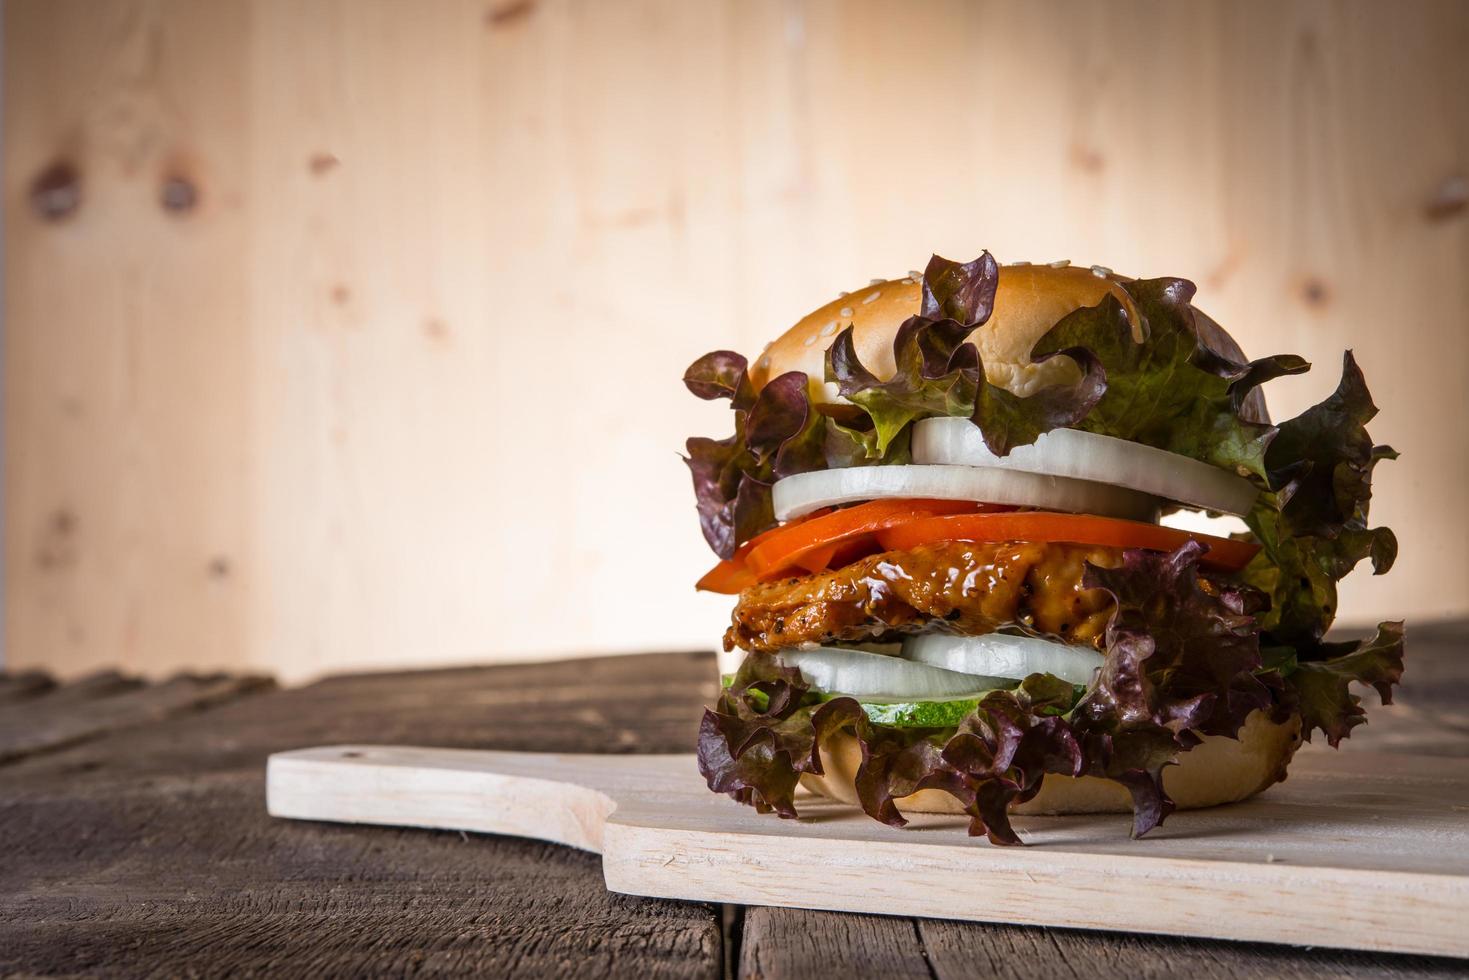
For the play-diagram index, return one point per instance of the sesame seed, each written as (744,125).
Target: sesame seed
(845,311)
(843,294)
(876,282)
(871,298)
(829,329)
(764,363)
(1060,263)
(1101,271)
(915,273)
(910,282)
(1020,263)
(810,340)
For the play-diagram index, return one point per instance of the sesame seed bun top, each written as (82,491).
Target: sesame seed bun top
(1029,300)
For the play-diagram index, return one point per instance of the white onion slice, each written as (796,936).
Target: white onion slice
(998,655)
(1088,456)
(805,492)
(881,679)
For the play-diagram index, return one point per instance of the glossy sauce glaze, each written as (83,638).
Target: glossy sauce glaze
(961,587)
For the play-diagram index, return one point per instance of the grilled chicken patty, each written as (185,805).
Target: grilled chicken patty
(963,587)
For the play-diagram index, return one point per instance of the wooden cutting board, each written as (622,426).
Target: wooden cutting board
(1355,850)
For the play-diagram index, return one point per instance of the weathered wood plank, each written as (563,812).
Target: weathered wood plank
(964,949)
(101,684)
(793,942)
(781,943)
(195,876)
(151,850)
(607,704)
(25,684)
(110,702)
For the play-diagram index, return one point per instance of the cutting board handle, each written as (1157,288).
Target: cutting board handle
(559,798)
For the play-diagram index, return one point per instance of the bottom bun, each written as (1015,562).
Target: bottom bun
(1217,770)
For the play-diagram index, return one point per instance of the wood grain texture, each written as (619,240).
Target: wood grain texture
(271,358)
(600,703)
(24,685)
(128,402)
(108,702)
(1313,861)
(787,942)
(966,949)
(192,879)
(150,851)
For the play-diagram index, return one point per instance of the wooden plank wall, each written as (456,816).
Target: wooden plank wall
(347,334)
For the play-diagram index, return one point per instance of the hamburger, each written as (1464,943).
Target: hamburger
(954,511)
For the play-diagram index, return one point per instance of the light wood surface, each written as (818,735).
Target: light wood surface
(1355,850)
(298,420)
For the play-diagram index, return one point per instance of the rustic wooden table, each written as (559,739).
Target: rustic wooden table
(134,841)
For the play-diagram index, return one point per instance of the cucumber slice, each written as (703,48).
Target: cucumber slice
(921,714)
(880,679)
(999,655)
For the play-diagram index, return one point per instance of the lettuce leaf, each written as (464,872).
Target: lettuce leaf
(998,756)
(1172,391)
(1181,652)
(777,433)
(935,376)
(1182,660)
(1312,527)
(938,374)
(1321,686)
(765,732)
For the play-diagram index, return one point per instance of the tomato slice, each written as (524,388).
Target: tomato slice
(1111,532)
(837,537)
(729,577)
(818,559)
(812,544)
(732,575)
